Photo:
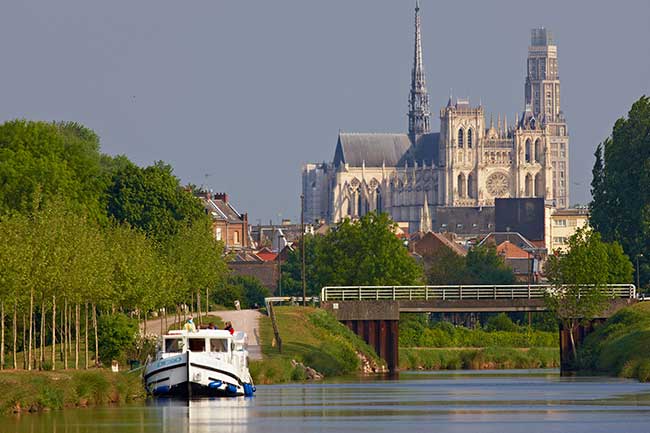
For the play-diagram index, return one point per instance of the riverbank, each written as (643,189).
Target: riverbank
(311,338)
(486,358)
(33,391)
(621,346)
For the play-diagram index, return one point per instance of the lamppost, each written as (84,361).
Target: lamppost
(280,238)
(638,277)
(302,248)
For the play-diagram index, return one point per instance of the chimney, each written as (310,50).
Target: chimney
(221,196)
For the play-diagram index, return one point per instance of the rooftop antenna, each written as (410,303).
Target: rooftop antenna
(204,186)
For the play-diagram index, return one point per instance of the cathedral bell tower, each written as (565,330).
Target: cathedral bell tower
(419,115)
(542,98)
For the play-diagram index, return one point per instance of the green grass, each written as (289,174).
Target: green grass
(414,332)
(313,337)
(34,391)
(621,346)
(478,359)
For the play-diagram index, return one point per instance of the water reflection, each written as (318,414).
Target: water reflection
(226,415)
(481,402)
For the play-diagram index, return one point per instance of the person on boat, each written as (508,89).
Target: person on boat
(229,328)
(211,326)
(189,325)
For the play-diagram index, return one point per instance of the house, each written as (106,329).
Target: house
(228,225)
(427,244)
(524,257)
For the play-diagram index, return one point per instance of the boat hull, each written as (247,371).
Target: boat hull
(195,374)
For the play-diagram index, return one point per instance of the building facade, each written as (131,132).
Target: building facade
(564,223)
(228,225)
(466,165)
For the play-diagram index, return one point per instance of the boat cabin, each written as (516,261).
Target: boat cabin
(215,341)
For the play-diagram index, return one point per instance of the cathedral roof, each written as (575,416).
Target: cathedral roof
(393,150)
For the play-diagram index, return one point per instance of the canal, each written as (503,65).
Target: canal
(479,402)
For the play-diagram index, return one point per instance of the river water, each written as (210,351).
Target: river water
(479,402)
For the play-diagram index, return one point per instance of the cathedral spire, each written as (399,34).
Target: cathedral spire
(425,217)
(419,115)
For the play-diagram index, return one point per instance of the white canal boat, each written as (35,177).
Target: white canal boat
(207,362)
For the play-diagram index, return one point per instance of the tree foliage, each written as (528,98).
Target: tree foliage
(84,235)
(482,265)
(620,208)
(42,160)
(579,278)
(364,252)
(152,200)
(248,290)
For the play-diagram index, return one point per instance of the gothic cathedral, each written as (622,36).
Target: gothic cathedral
(424,178)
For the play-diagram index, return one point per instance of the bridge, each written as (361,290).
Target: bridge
(372,312)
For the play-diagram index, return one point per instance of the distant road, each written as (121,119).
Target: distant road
(243,320)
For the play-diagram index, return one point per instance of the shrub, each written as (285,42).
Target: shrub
(501,322)
(643,371)
(117,333)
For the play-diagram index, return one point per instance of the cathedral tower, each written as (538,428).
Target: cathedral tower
(542,97)
(419,115)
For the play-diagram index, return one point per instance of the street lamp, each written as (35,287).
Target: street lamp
(302,248)
(638,279)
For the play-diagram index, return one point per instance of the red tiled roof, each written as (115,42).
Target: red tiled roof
(511,251)
(266,254)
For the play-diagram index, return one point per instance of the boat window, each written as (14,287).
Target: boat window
(197,344)
(218,345)
(173,345)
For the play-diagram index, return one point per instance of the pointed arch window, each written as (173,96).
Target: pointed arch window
(359,204)
(470,185)
(469,138)
(528,186)
(461,137)
(539,185)
(528,150)
(461,185)
(380,203)
(538,150)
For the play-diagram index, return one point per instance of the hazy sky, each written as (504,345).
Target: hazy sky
(246,91)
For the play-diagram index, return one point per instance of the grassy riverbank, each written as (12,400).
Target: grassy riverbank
(40,390)
(478,358)
(621,346)
(314,338)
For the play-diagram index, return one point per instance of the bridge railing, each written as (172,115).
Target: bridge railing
(464,292)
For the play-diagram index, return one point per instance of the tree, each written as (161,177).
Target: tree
(620,209)
(362,252)
(249,289)
(482,265)
(151,199)
(292,268)
(445,267)
(200,261)
(485,266)
(579,277)
(40,159)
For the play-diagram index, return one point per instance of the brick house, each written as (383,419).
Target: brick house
(228,225)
